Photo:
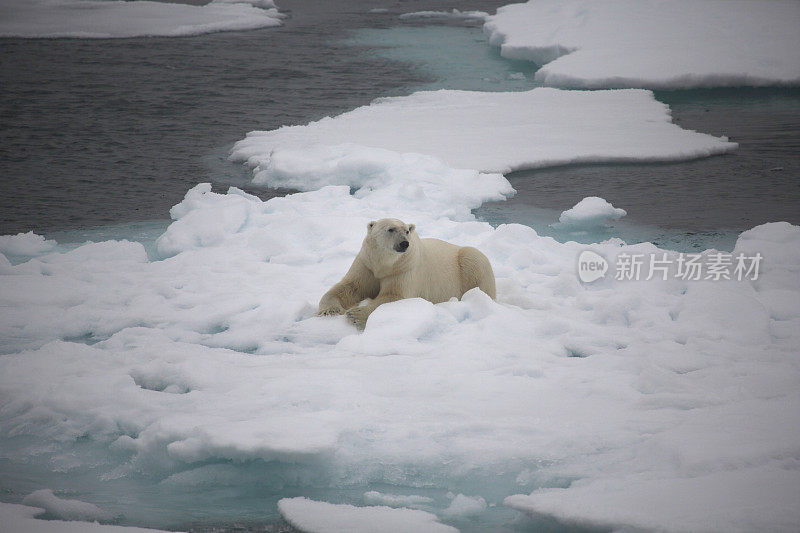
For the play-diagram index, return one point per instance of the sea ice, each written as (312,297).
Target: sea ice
(653,44)
(178,370)
(140,18)
(496,132)
(128,382)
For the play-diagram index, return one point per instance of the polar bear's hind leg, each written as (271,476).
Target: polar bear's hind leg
(475,271)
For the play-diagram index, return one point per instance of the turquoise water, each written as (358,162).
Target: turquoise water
(448,56)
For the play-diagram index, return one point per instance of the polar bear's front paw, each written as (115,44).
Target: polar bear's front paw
(331,311)
(358,317)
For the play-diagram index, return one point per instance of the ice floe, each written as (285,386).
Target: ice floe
(140,18)
(653,44)
(497,132)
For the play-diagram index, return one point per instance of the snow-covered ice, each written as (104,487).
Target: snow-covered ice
(665,44)
(140,18)
(497,132)
(180,369)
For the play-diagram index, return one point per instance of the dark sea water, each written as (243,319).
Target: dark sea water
(104,131)
(108,132)
(757,183)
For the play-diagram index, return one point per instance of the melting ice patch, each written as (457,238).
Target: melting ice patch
(497,132)
(140,18)
(454,14)
(655,44)
(396,500)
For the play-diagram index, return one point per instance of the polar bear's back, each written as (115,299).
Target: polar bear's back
(447,270)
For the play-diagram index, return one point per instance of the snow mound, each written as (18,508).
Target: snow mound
(492,132)
(321,517)
(589,213)
(655,44)
(97,19)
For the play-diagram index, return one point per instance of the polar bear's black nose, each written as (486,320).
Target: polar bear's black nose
(402,246)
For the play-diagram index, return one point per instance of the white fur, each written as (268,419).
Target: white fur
(383,272)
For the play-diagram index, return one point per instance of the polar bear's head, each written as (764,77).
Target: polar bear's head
(390,235)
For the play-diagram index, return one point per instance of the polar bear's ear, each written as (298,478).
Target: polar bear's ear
(370,226)
(411,227)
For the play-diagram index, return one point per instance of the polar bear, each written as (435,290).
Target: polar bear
(394,263)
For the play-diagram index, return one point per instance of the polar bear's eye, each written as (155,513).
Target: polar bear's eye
(391,230)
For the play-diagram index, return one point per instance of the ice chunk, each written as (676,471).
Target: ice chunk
(497,132)
(25,244)
(464,506)
(590,212)
(140,18)
(321,517)
(651,43)
(65,509)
